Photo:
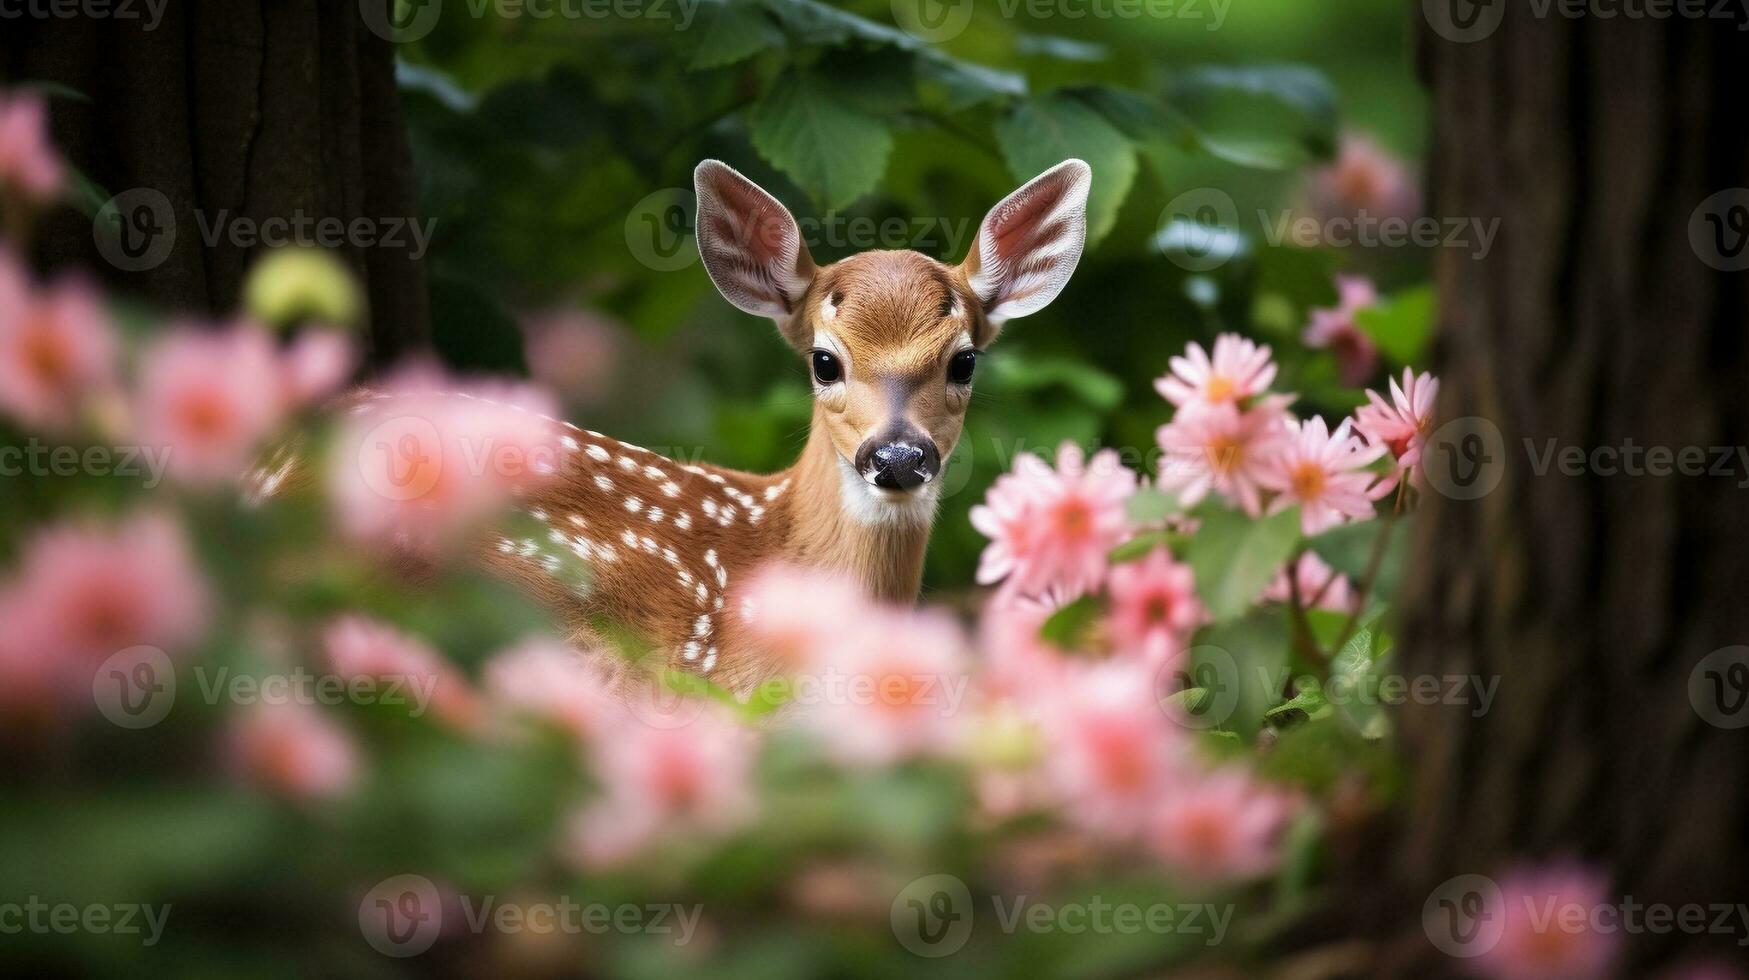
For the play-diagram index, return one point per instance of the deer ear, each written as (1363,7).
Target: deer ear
(750,244)
(1029,244)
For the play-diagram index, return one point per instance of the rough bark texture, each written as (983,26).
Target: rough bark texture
(247,110)
(1591,597)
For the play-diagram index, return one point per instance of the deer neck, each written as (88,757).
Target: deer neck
(836,523)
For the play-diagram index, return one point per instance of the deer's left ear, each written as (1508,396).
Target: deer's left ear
(1029,244)
(750,244)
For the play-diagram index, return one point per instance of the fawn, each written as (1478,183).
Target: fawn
(891,340)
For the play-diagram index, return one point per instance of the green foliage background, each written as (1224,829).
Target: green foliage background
(540,142)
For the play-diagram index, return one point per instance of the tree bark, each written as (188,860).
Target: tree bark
(1592,597)
(239,113)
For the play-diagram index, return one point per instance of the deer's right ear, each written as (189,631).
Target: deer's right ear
(1030,242)
(750,244)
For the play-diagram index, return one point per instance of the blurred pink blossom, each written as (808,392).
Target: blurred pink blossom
(1225,449)
(34,685)
(293,749)
(797,615)
(316,364)
(1154,607)
(553,682)
(1402,424)
(1548,915)
(28,163)
(86,592)
(1364,178)
(359,647)
(1357,357)
(1110,749)
(1324,474)
(1219,826)
(427,459)
(1238,371)
(210,398)
(665,785)
(894,689)
(1316,581)
(576,353)
(56,347)
(1054,528)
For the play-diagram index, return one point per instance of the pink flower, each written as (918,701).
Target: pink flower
(1111,750)
(1055,528)
(34,685)
(1224,449)
(893,690)
(54,349)
(27,162)
(1549,927)
(1016,659)
(1320,586)
(797,615)
(575,353)
(427,460)
(358,648)
(1365,178)
(210,398)
(291,748)
(1239,370)
(1402,424)
(88,592)
(1323,473)
(552,682)
(1357,357)
(1154,606)
(316,364)
(1219,826)
(668,785)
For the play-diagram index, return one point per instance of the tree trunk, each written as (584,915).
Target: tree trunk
(235,113)
(1595,320)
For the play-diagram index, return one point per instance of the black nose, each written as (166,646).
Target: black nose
(901,464)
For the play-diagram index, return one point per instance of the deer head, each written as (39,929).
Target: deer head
(891,339)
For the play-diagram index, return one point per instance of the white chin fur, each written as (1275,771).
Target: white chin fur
(865,503)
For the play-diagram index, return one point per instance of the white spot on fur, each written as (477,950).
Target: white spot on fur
(597,453)
(603,484)
(634,505)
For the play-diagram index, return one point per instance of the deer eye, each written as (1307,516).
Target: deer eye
(959,370)
(826,367)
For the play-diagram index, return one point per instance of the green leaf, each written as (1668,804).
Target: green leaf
(1348,549)
(1150,506)
(1234,556)
(737,32)
(1044,131)
(1354,679)
(1067,628)
(1244,664)
(957,85)
(1308,699)
(1272,117)
(1141,544)
(809,22)
(1025,372)
(1400,324)
(832,150)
